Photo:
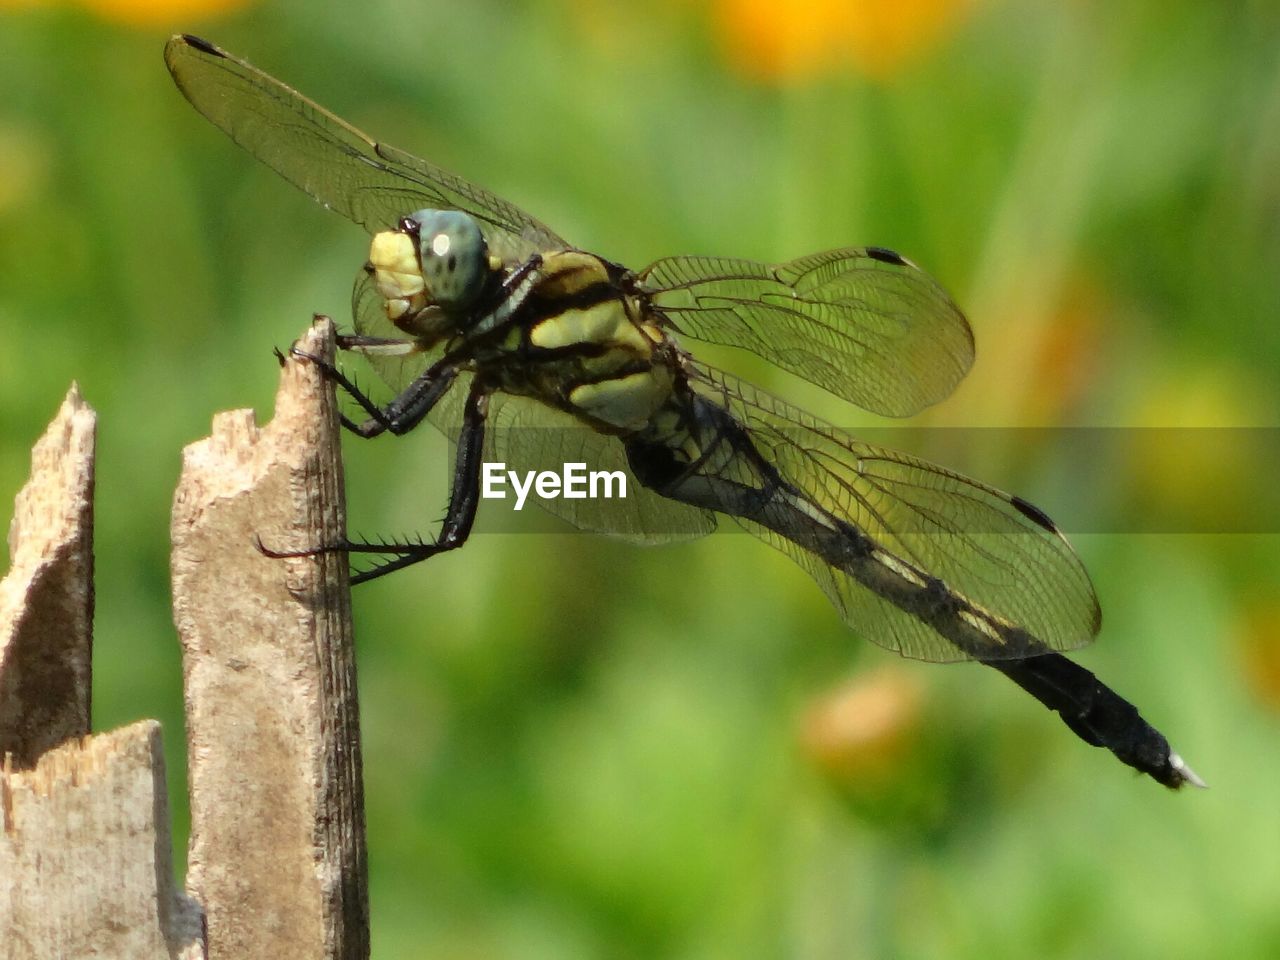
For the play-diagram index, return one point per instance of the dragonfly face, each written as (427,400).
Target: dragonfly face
(476,313)
(438,254)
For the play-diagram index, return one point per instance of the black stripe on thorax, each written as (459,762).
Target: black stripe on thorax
(533,309)
(537,308)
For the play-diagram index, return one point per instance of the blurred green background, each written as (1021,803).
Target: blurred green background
(580,749)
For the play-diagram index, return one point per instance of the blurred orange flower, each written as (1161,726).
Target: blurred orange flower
(863,733)
(144,13)
(1260,650)
(775,41)
(1065,362)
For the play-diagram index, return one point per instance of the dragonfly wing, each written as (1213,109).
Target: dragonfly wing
(528,435)
(994,550)
(368,182)
(862,323)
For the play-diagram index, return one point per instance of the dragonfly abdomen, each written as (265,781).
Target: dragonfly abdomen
(707,458)
(973,630)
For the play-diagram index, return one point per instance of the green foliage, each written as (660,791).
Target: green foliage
(581,749)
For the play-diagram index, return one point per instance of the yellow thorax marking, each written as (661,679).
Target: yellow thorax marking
(626,402)
(566,272)
(569,272)
(605,324)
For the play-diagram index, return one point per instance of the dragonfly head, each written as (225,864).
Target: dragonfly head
(436,258)
(453,255)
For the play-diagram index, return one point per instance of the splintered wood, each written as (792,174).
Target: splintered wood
(87,857)
(85,850)
(276,864)
(46,599)
(277,852)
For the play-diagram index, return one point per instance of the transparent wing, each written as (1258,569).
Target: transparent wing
(371,183)
(862,323)
(528,435)
(993,549)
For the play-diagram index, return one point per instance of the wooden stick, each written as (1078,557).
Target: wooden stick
(46,600)
(86,855)
(277,852)
(85,850)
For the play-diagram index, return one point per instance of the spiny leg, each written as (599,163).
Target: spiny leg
(331,372)
(464,500)
(403,413)
(501,299)
(417,400)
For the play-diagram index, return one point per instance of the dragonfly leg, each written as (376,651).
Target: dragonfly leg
(464,501)
(512,282)
(408,409)
(376,346)
(331,372)
(404,412)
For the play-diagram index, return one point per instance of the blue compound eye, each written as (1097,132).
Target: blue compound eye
(455,257)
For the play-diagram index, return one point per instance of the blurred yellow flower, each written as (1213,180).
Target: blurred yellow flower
(776,41)
(1206,471)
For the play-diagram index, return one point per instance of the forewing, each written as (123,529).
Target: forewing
(993,549)
(371,183)
(862,323)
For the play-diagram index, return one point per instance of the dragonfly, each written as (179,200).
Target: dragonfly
(528,350)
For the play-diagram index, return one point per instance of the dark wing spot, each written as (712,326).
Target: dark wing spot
(1034,514)
(885,255)
(203,45)
(453,262)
